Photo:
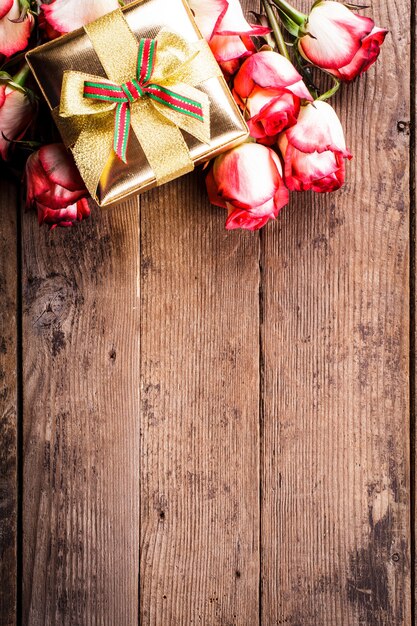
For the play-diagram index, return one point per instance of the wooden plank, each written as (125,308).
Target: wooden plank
(199,390)
(335,464)
(8,403)
(81,428)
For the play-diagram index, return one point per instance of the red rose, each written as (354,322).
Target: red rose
(55,188)
(269,88)
(340,41)
(314,150)
(16,114)
(247,181)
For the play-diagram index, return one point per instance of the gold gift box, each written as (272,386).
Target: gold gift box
(145,18)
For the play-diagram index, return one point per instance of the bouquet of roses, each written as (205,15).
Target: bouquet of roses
(273,67)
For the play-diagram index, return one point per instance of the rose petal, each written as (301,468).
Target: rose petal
(365,57)
(16,113)
(5,6)
(233,22)
(239,218)
(14,36)
(208,15)
(271,70)
(67,15)
(59,167)
(228,48)
(314,171)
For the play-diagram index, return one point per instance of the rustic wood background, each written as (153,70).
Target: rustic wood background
(205,428)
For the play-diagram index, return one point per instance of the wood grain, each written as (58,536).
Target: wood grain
(8,402)
(199,398)
(81,421)
(335,462)
(151,461)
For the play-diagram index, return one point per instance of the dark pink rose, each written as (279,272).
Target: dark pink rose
(269,89)
(55,188)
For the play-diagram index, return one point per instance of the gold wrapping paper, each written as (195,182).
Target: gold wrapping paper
(75,52)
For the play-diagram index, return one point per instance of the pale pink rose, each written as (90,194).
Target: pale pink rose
(55,188)
(269,89)
(339,40)
(14,36)
(16,114)
(67,15)
(314,150)
(247,181)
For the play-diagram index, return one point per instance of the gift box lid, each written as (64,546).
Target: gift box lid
(75,51)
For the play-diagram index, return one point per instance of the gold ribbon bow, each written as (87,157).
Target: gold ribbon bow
(89,126)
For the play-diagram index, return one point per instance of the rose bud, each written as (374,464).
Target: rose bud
(16,114)
(55,188)
(269,88)
(64,16)
(314,150)
(247,181)
(340,41)
(14,35)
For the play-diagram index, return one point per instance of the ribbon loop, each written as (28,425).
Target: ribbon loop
(129,92)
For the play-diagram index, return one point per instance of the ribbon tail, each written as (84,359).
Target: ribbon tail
(121,130)
(93,149)
(162,142)
(197,126)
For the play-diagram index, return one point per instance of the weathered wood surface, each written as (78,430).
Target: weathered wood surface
(199,418)
(216,425)
(8,402)
(81,421)
(335,463)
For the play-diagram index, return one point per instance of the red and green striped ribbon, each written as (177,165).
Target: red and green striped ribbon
(127,93)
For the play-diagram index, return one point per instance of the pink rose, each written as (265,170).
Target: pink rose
(314,150)
(64,16)
(269,88)
(55,188)
(340,41)
(247,181)
(14,35)
(228,33)
(16,114)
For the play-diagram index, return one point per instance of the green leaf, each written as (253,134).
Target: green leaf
(5,77)
(288,23)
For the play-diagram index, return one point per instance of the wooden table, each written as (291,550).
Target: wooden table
(211,428)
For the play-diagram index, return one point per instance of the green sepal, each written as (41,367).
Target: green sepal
(289,25)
